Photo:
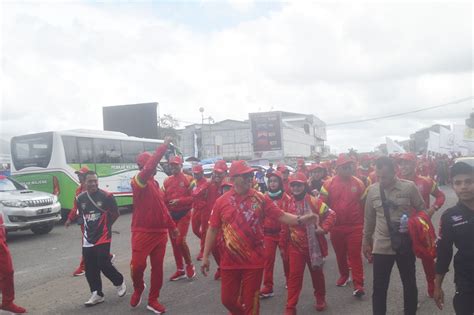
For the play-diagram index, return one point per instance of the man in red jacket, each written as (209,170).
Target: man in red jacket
(199,195)
(215,190)
(345,194)
(6,274)
(239,214)
(177,189)
(427,188)
(151,222)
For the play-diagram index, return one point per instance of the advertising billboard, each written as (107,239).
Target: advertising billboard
(266,134)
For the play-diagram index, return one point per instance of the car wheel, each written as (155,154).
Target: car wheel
(43,229)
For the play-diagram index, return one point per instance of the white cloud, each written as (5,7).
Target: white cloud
(63,62)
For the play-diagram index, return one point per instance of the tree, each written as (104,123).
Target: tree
(168,121)
(167,125)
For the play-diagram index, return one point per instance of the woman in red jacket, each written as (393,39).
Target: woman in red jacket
(307,244)
(272,231)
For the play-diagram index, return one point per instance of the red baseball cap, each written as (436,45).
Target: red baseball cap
(175,160)
(197,168)
(227,182)
(240,167)
(297,178)
(315,166)
(343,159)
(408,157)
(220,166)
(275,173)
(82,171)
(142,158)
(282,168)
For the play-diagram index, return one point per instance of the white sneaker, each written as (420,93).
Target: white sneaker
(95,299)
(121,289)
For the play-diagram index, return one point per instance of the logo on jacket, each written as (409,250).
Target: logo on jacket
(181,184)
(354,189)
(99,203)
(456,218)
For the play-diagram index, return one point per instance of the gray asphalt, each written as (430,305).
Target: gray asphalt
(44,285)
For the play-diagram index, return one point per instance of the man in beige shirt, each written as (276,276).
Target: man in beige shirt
(401,198)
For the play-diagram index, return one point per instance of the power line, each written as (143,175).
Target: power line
(400,114)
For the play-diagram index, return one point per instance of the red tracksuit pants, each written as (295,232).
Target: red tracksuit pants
(204,226)
(196,223)
(347,243)
(180,247)
(6,275)
(297,261)
(271,243)
(144,245)
(240,289)
(429,268)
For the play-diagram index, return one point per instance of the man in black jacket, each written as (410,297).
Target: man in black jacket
(457,228)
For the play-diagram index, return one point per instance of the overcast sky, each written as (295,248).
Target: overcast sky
(341,61)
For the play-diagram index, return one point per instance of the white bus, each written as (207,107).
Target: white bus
(47,161)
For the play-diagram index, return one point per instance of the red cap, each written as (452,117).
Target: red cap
(315,166)
(220,166)
(175,160)
(343,159)
(275,173)
(142,158)
(82,171)
(227,182)
(197,168)
(408,157)
(240,167)
(297,178)
(282,168)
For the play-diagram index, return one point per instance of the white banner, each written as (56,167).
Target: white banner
(446,139)
(393,147)
(433,142)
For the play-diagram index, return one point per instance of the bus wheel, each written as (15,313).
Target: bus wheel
(42,229)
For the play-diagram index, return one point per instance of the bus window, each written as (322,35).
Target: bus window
(107,151)
(130,150)
(85,150)
(70,148)
(32,151)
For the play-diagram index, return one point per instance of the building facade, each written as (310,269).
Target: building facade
(300,135)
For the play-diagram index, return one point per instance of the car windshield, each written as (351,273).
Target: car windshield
(8,185)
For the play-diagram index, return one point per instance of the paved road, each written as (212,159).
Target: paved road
(44,283)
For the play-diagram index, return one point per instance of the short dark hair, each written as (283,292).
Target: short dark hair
(461,168)
(90,173)
(385,161)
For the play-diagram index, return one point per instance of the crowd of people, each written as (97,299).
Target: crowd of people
(373,207)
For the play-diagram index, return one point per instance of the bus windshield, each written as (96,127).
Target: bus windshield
(31,150)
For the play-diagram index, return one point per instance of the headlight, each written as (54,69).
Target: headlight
(14,203)
(55,198)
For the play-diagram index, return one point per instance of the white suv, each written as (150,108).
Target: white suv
(25,209)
